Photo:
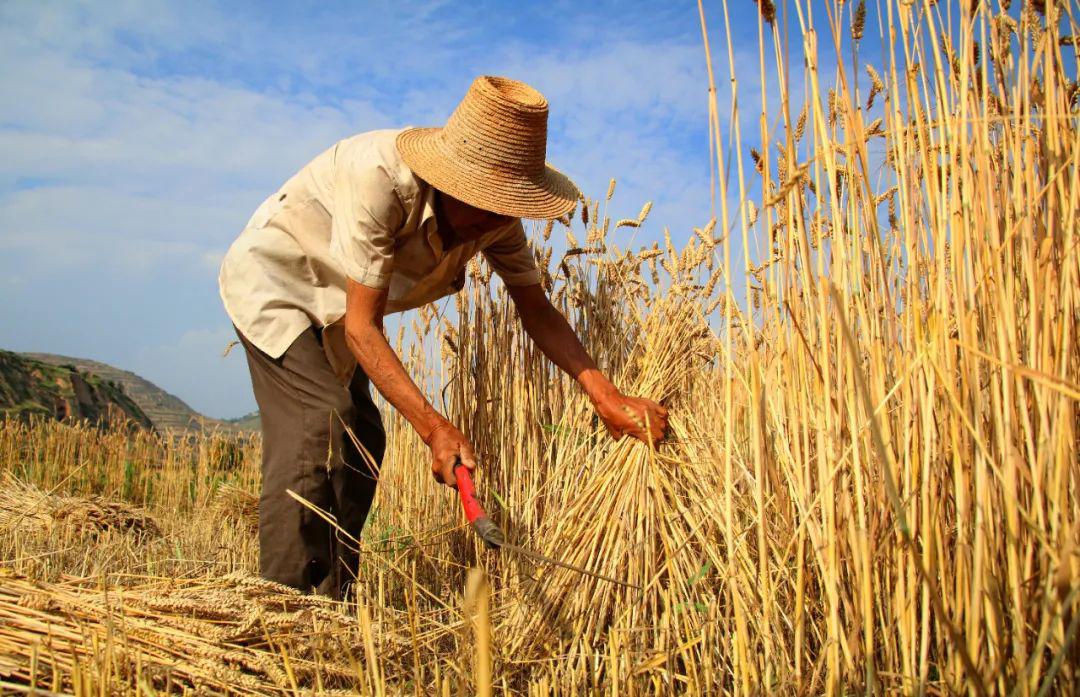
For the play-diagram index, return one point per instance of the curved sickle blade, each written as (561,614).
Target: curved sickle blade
(493,536)
(555,562)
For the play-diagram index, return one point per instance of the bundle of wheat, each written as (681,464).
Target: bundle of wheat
(236,633)
(236,504)
(638,514)
(23,505)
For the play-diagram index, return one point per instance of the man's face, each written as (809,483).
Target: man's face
(467,222)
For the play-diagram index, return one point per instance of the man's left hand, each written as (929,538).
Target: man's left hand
(640,418)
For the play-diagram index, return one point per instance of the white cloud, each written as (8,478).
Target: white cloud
(137,137)
(193,358)
(212,259)
(103,166)
(65,227)
(627,110)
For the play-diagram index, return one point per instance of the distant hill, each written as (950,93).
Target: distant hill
(63,392)
(166,411)
(248,422)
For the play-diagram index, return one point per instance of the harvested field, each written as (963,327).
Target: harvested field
(870,356)
(25,506)
(236,634)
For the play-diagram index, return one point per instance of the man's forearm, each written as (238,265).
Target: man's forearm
(383,367)
(553,335)
(641,418)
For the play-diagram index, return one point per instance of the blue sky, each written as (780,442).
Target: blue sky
(137,138)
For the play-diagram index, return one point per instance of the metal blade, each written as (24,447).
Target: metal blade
(548,560)
(493,538)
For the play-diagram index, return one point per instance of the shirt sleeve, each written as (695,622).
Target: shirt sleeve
(367,214)
(510,256)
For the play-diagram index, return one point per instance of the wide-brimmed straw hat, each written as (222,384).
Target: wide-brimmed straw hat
(491,153)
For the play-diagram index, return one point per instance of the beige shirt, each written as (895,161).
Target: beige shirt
(355,211)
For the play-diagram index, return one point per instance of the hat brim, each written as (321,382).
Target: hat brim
(550,196)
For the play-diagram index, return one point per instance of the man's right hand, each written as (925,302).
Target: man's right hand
(364,309)
(448,446)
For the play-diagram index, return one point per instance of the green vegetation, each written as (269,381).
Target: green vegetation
(166,411)
(62,391)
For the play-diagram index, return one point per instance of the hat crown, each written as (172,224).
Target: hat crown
(492,153)
(501,124)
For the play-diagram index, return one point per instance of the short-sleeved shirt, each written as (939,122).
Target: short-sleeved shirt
(355,211)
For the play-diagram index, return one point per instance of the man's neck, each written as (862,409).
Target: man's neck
(446,232)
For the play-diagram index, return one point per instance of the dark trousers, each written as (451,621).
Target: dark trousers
(304,409)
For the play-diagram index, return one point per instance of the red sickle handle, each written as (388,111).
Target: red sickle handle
(473,510)
(485,527)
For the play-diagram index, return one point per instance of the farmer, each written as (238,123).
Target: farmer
(383,222)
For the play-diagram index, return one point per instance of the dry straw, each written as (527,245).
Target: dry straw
(25,507)
(870,484)
(235,633)
(237,506)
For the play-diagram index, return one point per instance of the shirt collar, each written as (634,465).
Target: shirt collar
(428,222)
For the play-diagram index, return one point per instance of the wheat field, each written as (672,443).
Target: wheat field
(870,355)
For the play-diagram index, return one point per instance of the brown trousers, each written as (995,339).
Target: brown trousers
(306,448)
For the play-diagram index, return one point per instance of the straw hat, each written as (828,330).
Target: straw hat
(491,152)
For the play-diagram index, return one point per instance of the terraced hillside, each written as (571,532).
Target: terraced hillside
(165,410)
(63,392)
(248,422)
